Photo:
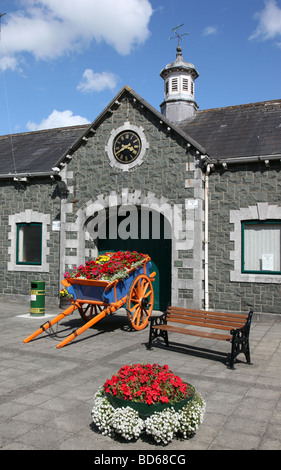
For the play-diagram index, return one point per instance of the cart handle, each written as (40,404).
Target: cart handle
(65,283)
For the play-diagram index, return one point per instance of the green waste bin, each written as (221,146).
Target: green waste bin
(37,298)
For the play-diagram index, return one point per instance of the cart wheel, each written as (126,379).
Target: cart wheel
(89,311)
(140,302)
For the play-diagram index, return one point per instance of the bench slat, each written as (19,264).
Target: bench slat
(207,312)
(196,316)
(193,332)
(207,316)
(205,320)
(206,324)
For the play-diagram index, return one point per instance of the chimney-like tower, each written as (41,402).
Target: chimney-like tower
(179,89)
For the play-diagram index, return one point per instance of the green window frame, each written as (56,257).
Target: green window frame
(29,244)
(261,247)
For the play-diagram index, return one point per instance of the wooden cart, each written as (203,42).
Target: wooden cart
(96,299)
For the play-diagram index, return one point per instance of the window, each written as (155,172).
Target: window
(29,243)
(250,224)
(261,242)
(29,235)
(167,87)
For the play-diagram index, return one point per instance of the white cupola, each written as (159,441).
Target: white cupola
(179,89)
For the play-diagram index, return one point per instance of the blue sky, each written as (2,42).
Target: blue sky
(62,62)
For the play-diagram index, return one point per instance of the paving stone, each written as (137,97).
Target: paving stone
(46,394)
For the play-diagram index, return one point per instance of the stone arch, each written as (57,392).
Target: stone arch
(186,269)
(96,212)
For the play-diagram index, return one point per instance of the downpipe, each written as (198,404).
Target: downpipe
(206,265)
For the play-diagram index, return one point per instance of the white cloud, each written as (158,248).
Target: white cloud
(92,81)
(57,119)
(269,22)
(48,29)
(8,62)
(210,30)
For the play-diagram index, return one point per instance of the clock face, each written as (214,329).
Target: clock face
(126,146)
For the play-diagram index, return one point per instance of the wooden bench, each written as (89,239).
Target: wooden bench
(236,326)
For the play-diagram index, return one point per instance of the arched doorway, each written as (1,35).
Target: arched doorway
(143,230)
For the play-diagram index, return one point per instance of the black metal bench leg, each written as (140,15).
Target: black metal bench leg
(232,356)
(155,332)
(165,337)
(240,344)
(247,354)
(150,337)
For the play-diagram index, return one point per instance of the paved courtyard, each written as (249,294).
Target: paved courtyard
(46,394)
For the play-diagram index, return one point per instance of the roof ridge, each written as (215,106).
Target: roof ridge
(245,105)
(39,131)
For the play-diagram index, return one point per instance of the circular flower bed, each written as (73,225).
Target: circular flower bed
(150,385)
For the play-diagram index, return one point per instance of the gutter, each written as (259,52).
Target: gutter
(22,176)
(253,159)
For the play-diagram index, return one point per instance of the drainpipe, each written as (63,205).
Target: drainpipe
(206,298)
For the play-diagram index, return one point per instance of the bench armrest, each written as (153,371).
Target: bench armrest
(159,320)
(246,328)
(154,333)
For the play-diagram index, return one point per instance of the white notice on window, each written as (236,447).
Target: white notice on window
(267,262)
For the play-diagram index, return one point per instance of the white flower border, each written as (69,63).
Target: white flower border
(162,426)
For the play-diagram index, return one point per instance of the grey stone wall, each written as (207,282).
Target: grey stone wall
(240,186)
(35,196)
(168,174)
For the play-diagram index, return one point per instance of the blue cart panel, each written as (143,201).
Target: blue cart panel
(98,293)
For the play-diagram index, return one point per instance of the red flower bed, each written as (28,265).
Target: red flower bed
(108,266)
(147,383)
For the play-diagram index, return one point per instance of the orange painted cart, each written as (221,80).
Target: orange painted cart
(96,299)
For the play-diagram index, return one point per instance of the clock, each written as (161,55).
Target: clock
(126,146)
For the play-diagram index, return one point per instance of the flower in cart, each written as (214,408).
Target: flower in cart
(65,295)
(109,266)
(148,383)
(102,259)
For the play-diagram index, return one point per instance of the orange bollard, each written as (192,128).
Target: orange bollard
(51,323)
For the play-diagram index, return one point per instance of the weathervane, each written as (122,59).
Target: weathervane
(178,35)
(1,14)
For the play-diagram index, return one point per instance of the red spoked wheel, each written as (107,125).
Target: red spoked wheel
(89,311)
(140,301)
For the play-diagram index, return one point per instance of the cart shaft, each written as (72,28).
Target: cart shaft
(52,322)
(110,309)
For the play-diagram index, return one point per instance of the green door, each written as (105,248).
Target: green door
(159,251)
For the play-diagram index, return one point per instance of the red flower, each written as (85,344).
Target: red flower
(147,383)
(104,267)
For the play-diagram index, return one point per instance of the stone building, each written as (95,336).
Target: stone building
(199,191)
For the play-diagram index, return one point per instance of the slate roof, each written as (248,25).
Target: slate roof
(36,152)
(238,132)
(235,133)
